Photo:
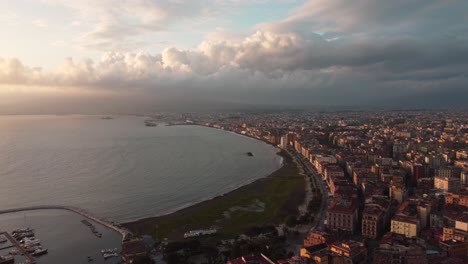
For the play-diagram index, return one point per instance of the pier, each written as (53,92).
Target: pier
(123,232)
(19,247)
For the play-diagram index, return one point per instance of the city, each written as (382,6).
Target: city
(393,184)
(233,132)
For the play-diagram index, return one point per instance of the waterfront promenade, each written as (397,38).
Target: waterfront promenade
(123,232)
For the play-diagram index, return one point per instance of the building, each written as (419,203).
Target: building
(348,252)
(450,184)
(342,214)
(448,172)
(459,231)
(372,222)
(316,238)
(317,253)
(464,178)
(283,142)
(454,248)
(457,198)
(461,154)
(405,225)
(397,191)
(417,172)
(333,171)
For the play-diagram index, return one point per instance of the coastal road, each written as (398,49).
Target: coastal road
(318,183)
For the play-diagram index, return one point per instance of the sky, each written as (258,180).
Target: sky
(102,54)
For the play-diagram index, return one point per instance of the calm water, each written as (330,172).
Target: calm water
(120,169)
(62,233)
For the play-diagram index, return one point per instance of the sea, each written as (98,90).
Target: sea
(119,169)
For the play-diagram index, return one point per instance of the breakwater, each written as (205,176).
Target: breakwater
(123,232)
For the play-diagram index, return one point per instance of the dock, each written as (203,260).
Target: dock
(19,247)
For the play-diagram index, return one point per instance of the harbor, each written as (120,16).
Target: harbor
(56,236)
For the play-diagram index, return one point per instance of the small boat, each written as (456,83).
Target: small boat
(86,222)
(250,154)
(33,249)
(110,255)
(7,259)
(39,252)
(22,230)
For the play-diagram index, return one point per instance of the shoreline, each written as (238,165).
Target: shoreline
(151,224)
(280,153)
(250,185)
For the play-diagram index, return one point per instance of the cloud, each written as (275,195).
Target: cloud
(123,21)
(390,18)
(12,71)
(326,52)
(40,23)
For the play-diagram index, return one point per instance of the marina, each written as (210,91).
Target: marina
(59,236)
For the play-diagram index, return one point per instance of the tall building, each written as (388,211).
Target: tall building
(372,222)
(417,172)
(450,184)
(283,142)
(342,214)
(405,225)
(464,178)
(448,172)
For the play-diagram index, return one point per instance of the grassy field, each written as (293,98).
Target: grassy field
(281,192)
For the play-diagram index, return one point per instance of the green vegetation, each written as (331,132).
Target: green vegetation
(281,193)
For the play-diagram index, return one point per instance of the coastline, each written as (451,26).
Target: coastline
(156,226)
(272,180)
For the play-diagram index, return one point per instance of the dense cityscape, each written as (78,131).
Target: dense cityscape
(393,183)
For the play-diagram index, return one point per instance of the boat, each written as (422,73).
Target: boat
(109,250)
(110,255)
(250,154)
(39,252)
(19,236)
(90,259)
(22,230)
(33,249)
(30,240)
(150,123)
(86,222)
